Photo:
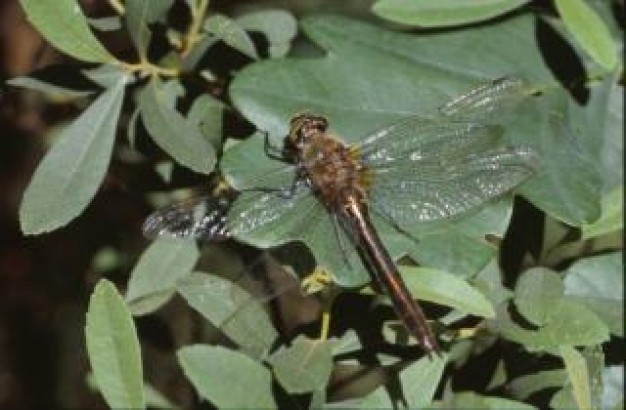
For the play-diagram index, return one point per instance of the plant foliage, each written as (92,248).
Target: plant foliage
(563,305)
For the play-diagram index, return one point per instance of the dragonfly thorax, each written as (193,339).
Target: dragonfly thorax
(302,128)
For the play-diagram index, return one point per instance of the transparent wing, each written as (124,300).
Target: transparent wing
(484,105)
(214,218)
(201,218)
(461,174)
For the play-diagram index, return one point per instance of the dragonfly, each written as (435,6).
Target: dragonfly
(418,169)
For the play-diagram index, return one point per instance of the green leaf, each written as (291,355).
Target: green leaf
(524,386)
(537,291)
(207,112)
(598,283)
(226,378)
(570,323)
(446,289)
(49,88)
(360,101)
(610,115)
(420,380)
(172,132)
(231,309)
(64,25)
(231,33)
(278,26)
(568,184)
(113,349)
(69,175)
(589,31)
(304,366)
(579,377)
(611,219)
(428,13)
(153,279)
(140,13)
(489,282)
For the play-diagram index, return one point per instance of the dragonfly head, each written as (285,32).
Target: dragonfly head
(301,128)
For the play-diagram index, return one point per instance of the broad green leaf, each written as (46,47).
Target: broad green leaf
(226,378)
(446,289)
(489,281)
(71,172)
(304,366)
(140,13)
(278,26)
(570,323)
(64,25)
(598,282)
(611,122)
(231,309)
(578,374)
(113,348)
(153,279)
(611,217)
(569,181)
(207,112)
(172,132)
(524,386)
(231,33)
(589,30)
(536,293)
(428,13)
(420,381)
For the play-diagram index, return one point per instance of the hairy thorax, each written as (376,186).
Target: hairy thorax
(335,172)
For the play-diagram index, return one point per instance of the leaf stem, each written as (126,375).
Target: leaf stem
(198,13)
(117,6)
(147,68)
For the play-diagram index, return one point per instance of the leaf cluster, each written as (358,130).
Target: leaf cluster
(560,304)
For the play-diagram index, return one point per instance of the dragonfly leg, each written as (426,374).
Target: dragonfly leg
(272,151)
(342,246)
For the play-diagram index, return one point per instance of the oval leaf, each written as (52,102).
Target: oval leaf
(71,172)
(536,293)
(231,309)
(278,26)
(231,33)
(226,378)
(64,25)
(598,282)
(420,381)
(172,132)
(113,349)
(428,13)
(304,366)
(153,279)
(446,289)
(589,30)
